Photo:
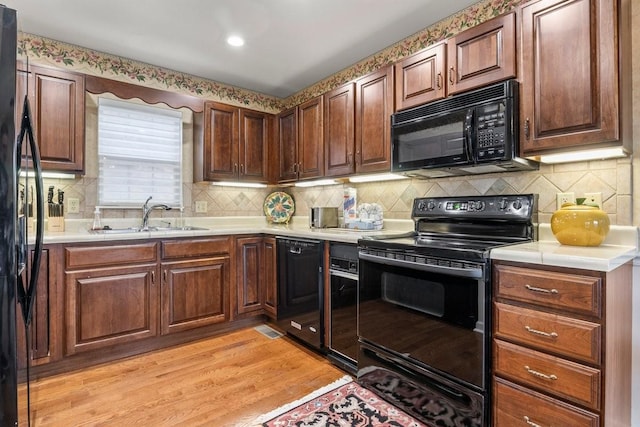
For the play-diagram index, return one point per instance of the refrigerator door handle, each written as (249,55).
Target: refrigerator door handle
(26,294)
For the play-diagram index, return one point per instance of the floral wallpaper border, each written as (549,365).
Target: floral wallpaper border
(77,58)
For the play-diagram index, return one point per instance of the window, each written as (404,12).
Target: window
(139,154)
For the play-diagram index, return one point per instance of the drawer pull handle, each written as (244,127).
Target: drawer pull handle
(531,423)
(541,290)
(544,334)
(540,374)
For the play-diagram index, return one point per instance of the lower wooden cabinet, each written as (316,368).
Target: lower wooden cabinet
(41,328)
(196,277)
(256,280)
(562,346)
(194,293)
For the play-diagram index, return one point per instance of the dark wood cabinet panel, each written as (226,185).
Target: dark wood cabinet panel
(41,328)
(374,106)
(57,101)
(420,78)
(270,277)
(569,74)
(288,145)
(250,276)
(339,135)
(233,145)
(221,135)
(194,293)
(109,306)
(482,55)
(310,139)
(254,140)
(300,141)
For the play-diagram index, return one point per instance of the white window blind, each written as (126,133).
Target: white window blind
(139,154)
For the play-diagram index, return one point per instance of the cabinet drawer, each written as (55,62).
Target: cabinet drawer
(195,247)
(103,256)
(574,292)
(575,382)
(516,406)
(570,337)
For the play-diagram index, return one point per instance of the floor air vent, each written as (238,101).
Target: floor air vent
(268,331)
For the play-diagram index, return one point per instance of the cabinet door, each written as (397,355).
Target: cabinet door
(110,306)
(270,277)
(40,339)
(194,293)
(220,141)
(374,106)
(483,54)
(339,112)
(421,77)
(249,274)
(310,139)
(288,145)
(569,90)
(57,104)
(254,142)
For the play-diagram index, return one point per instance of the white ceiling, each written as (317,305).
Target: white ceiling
(290,44)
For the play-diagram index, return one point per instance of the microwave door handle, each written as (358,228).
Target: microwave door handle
(469,134)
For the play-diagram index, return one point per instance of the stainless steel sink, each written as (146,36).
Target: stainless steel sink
(148,229)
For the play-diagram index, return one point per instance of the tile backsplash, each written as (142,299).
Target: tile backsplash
(611,177)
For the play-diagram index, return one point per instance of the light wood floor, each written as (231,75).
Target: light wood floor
(222,381)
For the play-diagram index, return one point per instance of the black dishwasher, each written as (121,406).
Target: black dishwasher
(300,299)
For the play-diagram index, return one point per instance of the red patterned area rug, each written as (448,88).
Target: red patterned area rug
(340,404)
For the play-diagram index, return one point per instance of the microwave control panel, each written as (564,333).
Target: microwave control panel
(491,129)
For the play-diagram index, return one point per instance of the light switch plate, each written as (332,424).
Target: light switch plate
(201,206)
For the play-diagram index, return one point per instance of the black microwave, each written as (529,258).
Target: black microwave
(470,133)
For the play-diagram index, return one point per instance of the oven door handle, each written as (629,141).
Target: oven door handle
(344,275)
(475,273)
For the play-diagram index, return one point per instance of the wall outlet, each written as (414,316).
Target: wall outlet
(593,199)
(562,198)
(201,206)
(73,205)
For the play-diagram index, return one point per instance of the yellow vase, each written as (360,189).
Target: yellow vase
(580,225)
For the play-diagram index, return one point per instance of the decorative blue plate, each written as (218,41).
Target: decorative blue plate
(278,207)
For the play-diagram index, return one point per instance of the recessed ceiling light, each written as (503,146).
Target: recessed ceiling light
(235,41)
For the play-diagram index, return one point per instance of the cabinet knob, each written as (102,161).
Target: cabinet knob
(542,333)
(540,374)
(241,169)
(530,423)
(451,72)
(439,81)
(526,128)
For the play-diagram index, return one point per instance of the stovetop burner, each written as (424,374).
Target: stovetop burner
(464,227)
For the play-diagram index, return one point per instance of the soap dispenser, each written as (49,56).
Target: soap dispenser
(97,223)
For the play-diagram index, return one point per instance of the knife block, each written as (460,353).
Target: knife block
(55,223)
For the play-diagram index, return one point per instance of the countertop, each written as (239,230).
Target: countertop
(620,246)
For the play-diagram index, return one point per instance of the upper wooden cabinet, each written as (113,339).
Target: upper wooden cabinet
(339,136)
(569,74)
(482,55)
(475,57)
(357,125)
(300,141)
(374,106)
(420,77)
(233,145)
(57,102)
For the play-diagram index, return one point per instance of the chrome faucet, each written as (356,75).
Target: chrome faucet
(146,210)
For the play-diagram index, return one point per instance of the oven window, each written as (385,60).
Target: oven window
(435,319)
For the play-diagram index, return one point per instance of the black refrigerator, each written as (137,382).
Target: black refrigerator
(19,175)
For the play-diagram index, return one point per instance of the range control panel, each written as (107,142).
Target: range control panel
(513,206)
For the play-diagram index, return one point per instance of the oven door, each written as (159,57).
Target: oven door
(432,315)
